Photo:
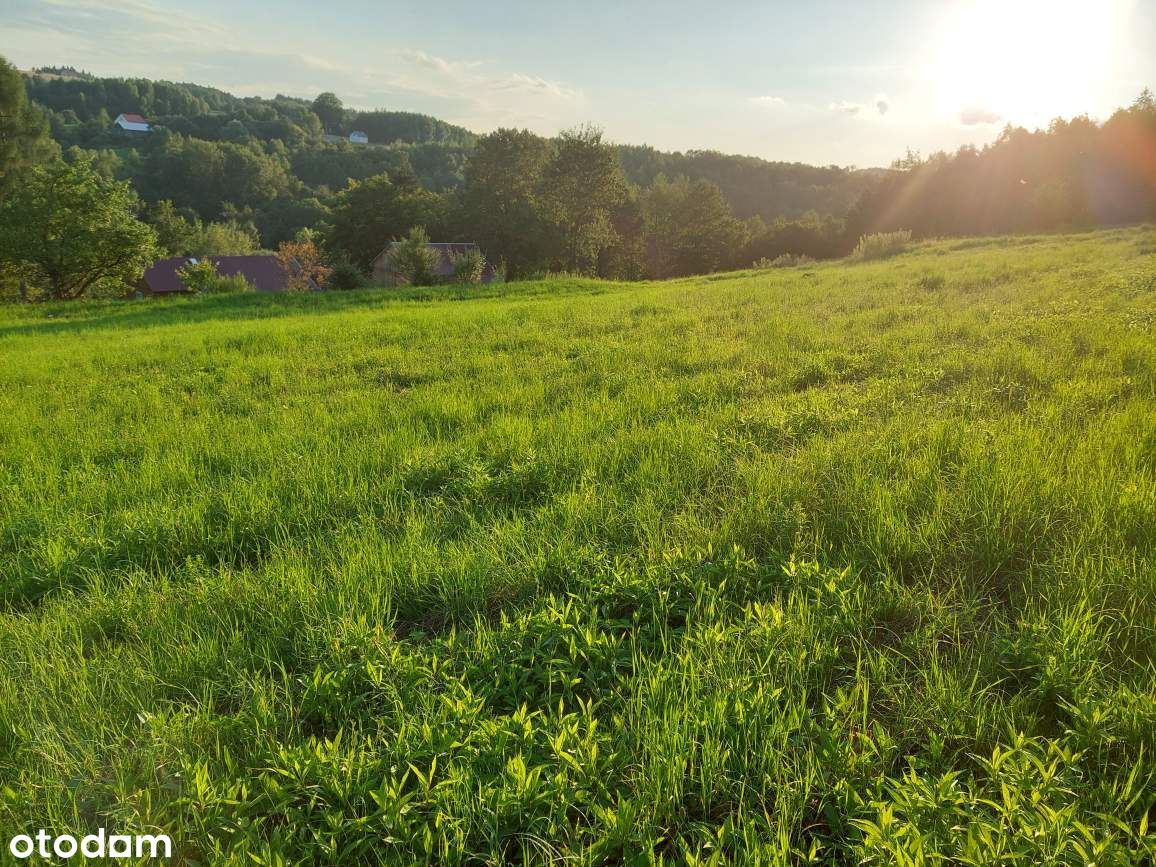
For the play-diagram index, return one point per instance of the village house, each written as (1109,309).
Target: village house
(264,273)
(444,269)
(132,123)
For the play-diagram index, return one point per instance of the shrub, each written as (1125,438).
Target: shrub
(468,265)
(412,261)
(229,285)
(200,275)
(786,260)
(303,265)
(345,275)
(881,245)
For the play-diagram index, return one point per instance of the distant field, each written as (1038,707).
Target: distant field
(850,562)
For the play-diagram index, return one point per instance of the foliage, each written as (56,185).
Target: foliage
(345,275)
(411,261)
(754,187)
(201,276)
(229,238)
(582,186)
(811,235)
(331,112)
(688,228)
(180,232)
(1077,173)
(23,131)
(795,566)
(71,232)
(304,266)
(468,265)
(882,245)
(368,213)
(501,202)
(786,260)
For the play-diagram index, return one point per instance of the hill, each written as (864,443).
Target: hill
(843,561)
(81,109)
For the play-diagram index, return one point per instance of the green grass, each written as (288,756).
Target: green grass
(846,562)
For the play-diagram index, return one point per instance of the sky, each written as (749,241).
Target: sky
(821,82)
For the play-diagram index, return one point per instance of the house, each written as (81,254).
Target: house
(358,137)
(262,271)
(443,270)
(132,123)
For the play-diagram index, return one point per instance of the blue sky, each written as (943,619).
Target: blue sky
(820,82)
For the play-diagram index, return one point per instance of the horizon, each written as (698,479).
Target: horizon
(953,74)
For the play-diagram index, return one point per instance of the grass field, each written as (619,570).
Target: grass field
(846,562)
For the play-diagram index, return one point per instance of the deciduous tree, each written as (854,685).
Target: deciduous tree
(582,185)
(23,129)
(71,232)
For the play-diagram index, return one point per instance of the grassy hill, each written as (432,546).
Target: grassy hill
(841,561)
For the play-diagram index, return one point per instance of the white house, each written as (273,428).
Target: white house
(358,137)
(132,123)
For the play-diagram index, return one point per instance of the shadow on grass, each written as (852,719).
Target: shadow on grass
(63,317)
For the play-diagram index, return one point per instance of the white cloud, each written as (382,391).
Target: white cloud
(768,101)
(534,84)
(880,104)
(845,107)
(977,116)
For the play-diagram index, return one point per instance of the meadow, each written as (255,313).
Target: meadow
(842,563)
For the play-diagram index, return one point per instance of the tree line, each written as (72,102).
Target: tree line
(572,203)
(1076,174)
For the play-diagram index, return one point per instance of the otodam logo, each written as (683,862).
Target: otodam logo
(100,844)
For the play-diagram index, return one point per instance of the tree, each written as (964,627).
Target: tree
(501,208)
(412,260)
(176,231)
(23,129)
(72,232)
(368,214)
(689,228)
(330,111)
(303,265)
(230,238)
(582,185)
(469,265)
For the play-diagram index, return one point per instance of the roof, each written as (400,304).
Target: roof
(264,272)
(445,265)
(132,118)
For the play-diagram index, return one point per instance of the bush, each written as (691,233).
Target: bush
(881,245)
(345,275)
(200,275)
(412,261)
(229,285)
(468,265)
(786,260)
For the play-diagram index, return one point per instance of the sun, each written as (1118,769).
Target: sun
(1026,61)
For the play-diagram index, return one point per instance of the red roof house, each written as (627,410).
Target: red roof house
(132,123)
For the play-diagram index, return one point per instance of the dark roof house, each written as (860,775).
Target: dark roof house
(443,270)
(263,272)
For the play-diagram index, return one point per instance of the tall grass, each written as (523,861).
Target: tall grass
(854,565)
(882,245)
